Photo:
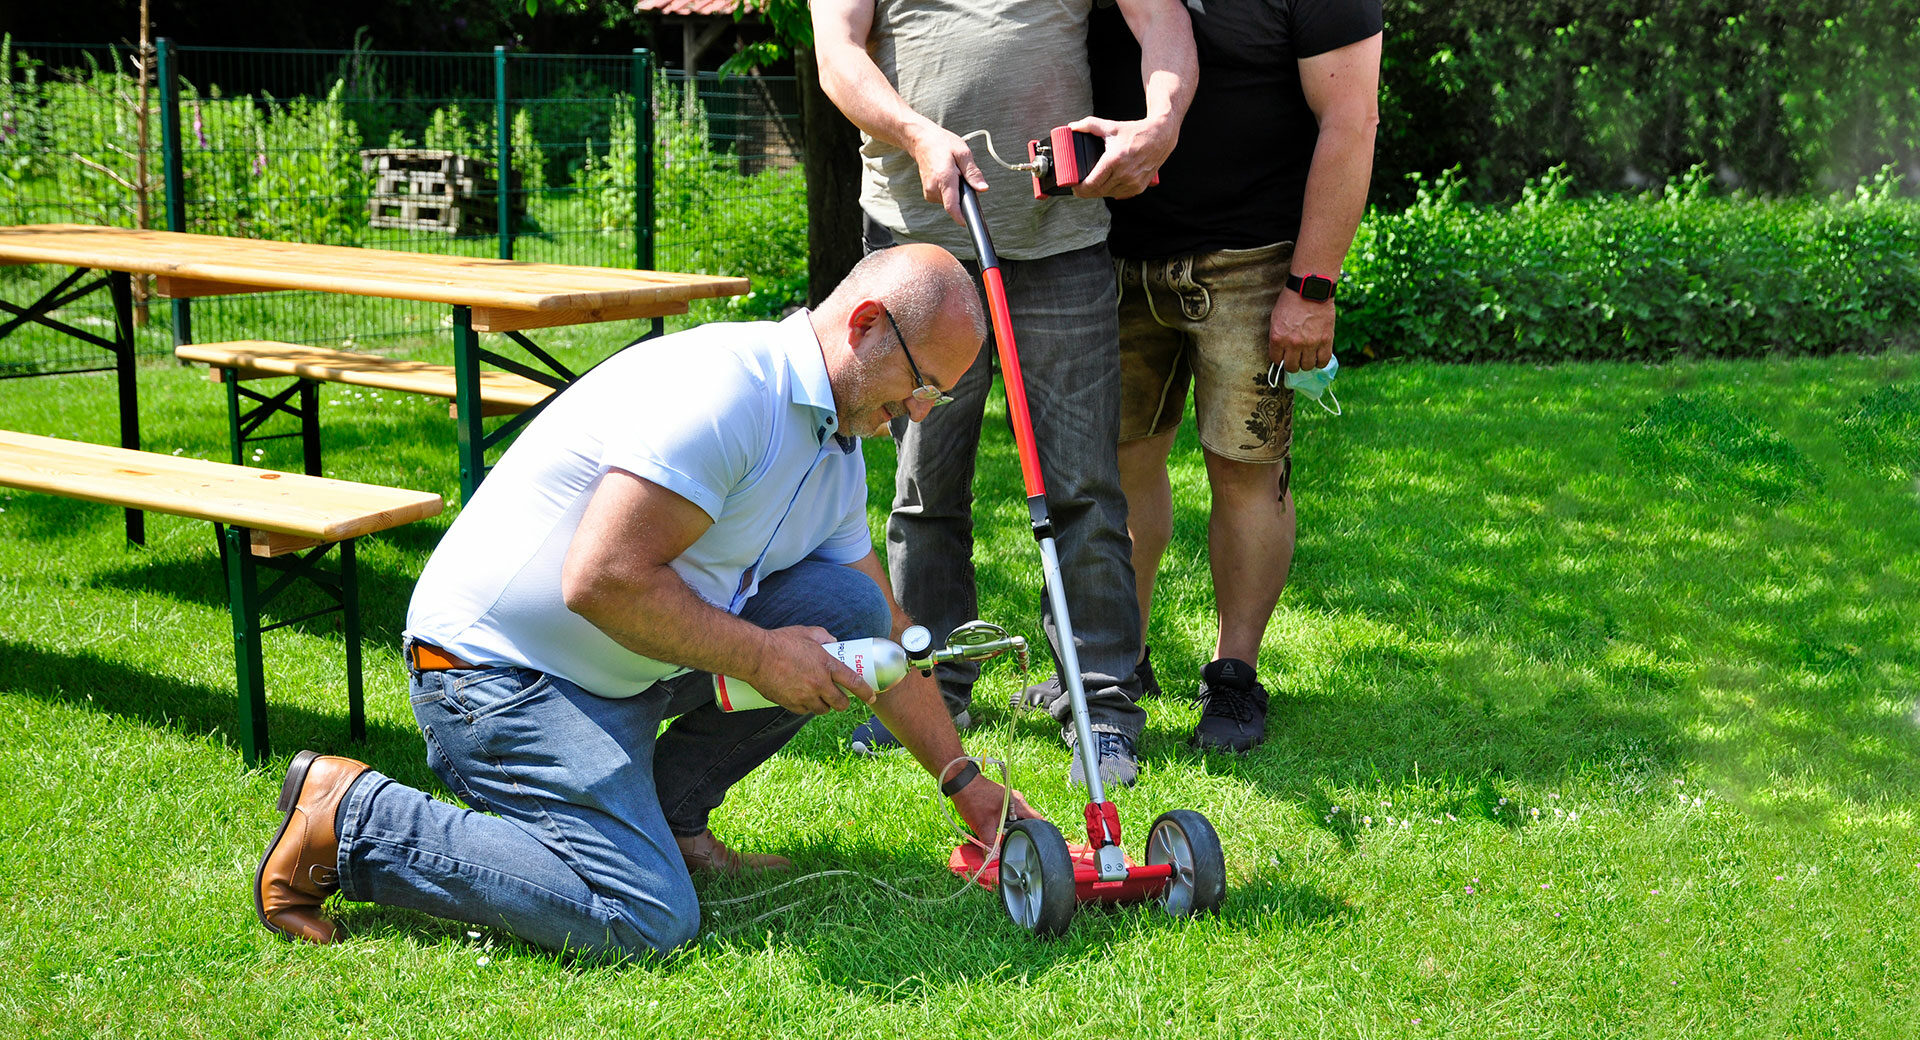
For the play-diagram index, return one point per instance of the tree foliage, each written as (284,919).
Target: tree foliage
(1779,96)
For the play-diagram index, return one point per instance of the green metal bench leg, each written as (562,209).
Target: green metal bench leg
(235,436)
(243,601)
(120,287)
(471,425)
(350,608)
(239,422)
(310,425)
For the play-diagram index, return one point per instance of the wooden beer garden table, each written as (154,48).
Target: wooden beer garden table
(507,297)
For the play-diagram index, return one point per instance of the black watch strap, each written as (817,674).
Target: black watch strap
(960,780)
(1315,287)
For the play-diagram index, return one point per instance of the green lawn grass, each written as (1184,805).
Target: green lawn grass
(1595,716)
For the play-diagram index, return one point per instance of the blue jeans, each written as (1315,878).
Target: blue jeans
(1065,324)
(575,802)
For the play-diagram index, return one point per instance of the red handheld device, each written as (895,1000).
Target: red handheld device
(1065,158)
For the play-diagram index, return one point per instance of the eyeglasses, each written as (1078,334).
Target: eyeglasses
(926,391)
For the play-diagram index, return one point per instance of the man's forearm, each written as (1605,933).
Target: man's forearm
(863,94)
(1169,68)
(913,710)
(1336,195)
(917,717)
(659,616)
(1136,148)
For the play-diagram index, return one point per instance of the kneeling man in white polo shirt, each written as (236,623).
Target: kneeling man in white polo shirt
(694,506)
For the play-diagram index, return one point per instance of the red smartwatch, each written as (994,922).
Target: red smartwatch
(1313,287)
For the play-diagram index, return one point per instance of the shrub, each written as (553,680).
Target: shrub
(22,130)
(269,169)
(72,141)
(1669,272)
(708,217)
(450,128)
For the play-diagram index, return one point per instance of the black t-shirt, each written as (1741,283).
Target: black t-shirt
(1239,174)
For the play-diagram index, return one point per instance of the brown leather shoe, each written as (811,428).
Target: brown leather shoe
(300,868)
(705,851)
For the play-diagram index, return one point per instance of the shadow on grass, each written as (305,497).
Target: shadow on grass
(384,593)
(99,684)
(1524,594)
(863,939)
(1265,899)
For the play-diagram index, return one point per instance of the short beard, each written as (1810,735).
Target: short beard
(858,386)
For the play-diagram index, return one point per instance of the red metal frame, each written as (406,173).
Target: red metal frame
(1143,881)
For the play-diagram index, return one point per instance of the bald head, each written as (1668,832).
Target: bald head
(925,289)
(878,372)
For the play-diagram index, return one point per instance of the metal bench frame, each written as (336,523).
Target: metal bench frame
(246,600)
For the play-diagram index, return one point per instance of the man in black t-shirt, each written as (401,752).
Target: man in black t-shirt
(1227,273)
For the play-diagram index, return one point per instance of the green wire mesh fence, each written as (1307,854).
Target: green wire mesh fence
(607,163)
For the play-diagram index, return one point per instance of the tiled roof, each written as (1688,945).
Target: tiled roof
(685,7)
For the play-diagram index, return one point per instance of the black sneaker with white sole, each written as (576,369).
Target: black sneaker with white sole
(1233,707)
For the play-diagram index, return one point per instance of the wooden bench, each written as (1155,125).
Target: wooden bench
(501,392)
(284,521)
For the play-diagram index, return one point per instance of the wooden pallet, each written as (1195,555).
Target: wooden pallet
(449,165)
(431,190)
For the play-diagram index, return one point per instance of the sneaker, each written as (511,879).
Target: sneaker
(1041,694)
(1233,707)
(1117,766)
(872,736)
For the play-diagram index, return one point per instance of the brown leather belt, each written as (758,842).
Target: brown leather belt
(430,658)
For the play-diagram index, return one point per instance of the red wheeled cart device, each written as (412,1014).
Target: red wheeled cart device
(1039,876)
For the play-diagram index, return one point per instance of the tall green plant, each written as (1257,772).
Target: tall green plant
(268,169)
(69,144)
(710,218)
(22,133)
(529,158)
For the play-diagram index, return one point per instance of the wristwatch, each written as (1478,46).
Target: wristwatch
(1314,287)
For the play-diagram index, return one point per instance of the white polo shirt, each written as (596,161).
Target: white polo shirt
(736,418)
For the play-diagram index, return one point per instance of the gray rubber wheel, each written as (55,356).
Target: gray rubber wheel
(1036,877)
(1185,839)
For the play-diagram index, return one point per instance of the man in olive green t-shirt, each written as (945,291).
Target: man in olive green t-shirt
(917,76)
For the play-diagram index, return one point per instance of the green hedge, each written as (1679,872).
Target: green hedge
(1780,96)
(1677,271)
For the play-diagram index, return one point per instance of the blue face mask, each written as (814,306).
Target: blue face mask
(1316,383)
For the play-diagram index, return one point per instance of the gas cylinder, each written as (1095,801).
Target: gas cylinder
(881,662)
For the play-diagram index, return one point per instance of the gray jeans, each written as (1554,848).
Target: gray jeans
(1066,329)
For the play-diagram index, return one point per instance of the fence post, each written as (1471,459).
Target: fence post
(174,164)
(643,258)
(503,152)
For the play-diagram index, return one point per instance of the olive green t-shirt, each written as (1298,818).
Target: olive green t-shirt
(1016,68)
